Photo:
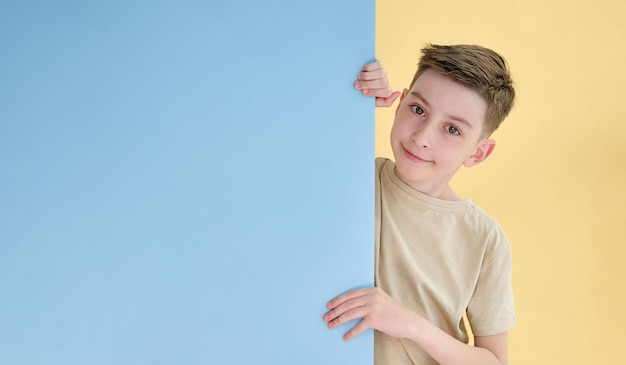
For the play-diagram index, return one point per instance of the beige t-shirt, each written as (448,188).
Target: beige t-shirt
(439,258)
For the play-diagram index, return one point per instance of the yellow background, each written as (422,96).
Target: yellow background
(557,179)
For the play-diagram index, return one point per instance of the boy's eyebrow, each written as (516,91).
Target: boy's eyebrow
(453,117)
(418,95)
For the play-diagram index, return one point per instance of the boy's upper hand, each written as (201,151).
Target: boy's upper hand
(372,81)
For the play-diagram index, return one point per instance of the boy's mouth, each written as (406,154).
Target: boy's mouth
(413,158)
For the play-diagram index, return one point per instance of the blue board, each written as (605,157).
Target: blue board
(183,182)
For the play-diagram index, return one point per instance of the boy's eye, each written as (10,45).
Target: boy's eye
(417,110)
(453,130)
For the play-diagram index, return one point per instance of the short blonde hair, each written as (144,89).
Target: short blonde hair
(477,68)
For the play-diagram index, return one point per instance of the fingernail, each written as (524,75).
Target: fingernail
(357,84)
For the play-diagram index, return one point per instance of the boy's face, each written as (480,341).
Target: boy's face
(438,128)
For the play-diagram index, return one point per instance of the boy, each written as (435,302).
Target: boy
(437,256)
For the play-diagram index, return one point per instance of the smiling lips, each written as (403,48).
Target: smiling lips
(413,158)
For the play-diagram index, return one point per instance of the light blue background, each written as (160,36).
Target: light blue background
(183,182)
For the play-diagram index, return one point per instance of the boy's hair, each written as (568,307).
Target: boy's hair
(477,68)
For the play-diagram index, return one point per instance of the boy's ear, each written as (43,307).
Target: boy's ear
(483,150)
(404,94)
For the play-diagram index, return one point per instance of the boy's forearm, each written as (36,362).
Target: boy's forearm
(447,350)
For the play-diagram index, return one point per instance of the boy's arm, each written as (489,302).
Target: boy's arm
(372,81)
(378,310)
(448,350)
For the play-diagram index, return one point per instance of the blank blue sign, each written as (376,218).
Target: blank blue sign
(183,182)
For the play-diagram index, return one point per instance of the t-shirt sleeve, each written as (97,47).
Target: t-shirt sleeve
(491,310)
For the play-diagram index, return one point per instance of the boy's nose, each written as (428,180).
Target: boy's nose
(422,136)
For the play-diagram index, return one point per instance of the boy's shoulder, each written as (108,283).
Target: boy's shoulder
(380,162)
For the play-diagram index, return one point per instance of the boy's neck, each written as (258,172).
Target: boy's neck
(441,190)
(450,194)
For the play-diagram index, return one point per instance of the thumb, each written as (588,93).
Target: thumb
(388,101)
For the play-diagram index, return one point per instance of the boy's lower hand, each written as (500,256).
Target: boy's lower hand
(377,310)
(372,81)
